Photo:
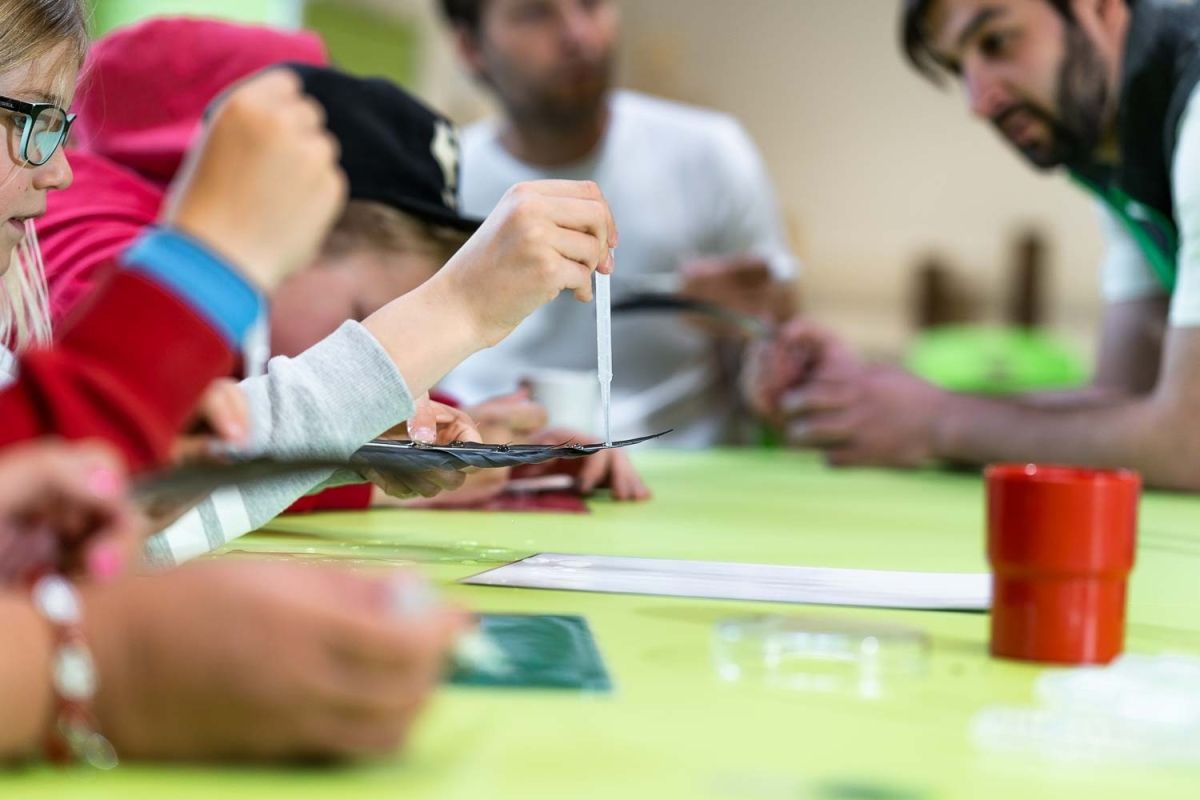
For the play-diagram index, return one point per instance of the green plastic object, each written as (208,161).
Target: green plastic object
(540,651)
(994,360)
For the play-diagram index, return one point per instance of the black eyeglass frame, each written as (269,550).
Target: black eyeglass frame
(32,111)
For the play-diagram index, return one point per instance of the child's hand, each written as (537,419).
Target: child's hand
(431,423)
(437,423)
(509,418)
(262,661)
(222,419)
(609,469)
(64,508)
(500,420)
(543,237)
(263,186)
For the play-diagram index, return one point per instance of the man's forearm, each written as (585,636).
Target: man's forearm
(1142,434)
(1087,397)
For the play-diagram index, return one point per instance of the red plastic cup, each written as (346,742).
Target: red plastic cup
(1061,543)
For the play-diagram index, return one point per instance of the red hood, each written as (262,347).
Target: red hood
(146,86)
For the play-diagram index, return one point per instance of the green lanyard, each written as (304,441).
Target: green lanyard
(1153,232)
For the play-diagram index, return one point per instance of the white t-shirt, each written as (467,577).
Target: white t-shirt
(683,182)
(1125,273)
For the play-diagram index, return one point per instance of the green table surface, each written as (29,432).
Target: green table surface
(673,727)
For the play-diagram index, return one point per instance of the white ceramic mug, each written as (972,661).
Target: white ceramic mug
(571,397)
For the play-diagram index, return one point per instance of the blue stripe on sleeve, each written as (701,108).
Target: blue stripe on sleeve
(193,272)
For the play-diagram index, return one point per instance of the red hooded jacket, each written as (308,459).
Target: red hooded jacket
(99,381)
(139,106)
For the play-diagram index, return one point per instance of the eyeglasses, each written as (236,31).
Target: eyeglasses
(44,128)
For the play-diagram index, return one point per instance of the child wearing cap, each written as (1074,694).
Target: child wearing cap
(401,160)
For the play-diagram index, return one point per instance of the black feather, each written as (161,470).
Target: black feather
(190,483)
(407,457)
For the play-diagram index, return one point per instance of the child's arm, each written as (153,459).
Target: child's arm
(324,403)
(530,249)
(132,364)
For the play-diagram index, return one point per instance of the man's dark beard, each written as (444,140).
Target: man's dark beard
(1082,103)
(553,112)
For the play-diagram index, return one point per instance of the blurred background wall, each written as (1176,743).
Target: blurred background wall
(876,169)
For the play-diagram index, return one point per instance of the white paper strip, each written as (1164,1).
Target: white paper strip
(732,581)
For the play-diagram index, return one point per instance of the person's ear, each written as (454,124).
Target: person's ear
(1091,13)
(1083,10)
(468,43)
(1105,22)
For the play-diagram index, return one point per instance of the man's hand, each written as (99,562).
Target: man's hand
(811,386)
(875,416)
(739,283)
(799,352)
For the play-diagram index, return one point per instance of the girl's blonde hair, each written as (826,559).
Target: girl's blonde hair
(28,30)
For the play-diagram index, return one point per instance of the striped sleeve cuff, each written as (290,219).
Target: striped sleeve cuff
(205,282)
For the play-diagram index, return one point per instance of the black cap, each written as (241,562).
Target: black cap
(395,149)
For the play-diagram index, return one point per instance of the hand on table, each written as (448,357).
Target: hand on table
(510,418)
(800,351)
(523,421)
(610,469)
(874,416)
(64,509)
(261,661)
(262,186)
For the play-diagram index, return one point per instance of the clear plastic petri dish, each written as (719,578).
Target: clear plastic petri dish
(818,653)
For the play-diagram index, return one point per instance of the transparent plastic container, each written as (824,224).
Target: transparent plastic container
(1141,709)
(818,653)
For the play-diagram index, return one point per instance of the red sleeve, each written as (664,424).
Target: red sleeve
(128,369)
(340,498)
(88,225)
(444,399)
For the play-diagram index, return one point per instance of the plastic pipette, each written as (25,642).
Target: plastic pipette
(604,370)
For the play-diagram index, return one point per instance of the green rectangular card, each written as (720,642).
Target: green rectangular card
(540,652)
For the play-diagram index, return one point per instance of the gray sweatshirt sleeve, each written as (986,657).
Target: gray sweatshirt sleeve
(325,403)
